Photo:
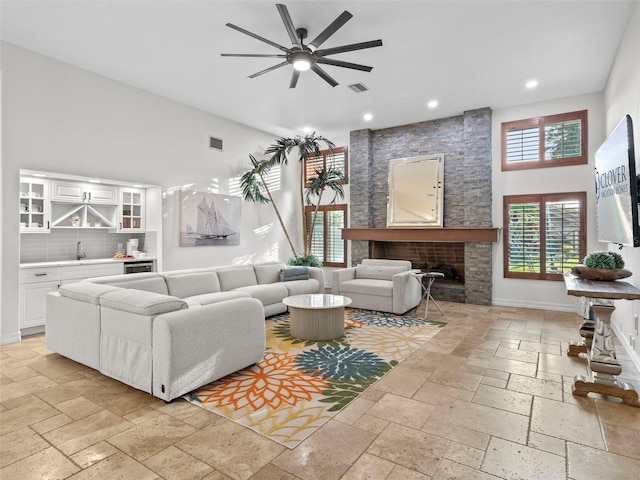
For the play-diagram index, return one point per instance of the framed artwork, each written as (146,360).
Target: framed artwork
(209,219)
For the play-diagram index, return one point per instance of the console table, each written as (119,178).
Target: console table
(600,354)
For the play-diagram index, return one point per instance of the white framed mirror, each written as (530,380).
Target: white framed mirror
(416,191)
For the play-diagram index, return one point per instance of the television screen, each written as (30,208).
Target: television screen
(617,188)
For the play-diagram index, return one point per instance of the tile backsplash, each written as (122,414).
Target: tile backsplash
(60,244)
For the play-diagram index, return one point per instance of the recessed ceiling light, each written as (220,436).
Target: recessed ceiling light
(307,129)
(432,104)
(532,84)
(367,117)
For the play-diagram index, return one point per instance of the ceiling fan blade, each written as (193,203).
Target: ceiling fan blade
(288,23)
(261,55)
(267,70)
(257,37)
(294,78)
(349,48)
(339,63)
(331,29)
(324,75)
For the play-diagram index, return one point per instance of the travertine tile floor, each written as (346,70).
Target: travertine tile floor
(488,397)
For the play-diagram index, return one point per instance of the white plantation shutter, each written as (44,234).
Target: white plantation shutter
(545,234)
(338,159)
(327,243)
(523,144)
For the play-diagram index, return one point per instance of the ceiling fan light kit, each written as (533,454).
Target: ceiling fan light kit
(303,56)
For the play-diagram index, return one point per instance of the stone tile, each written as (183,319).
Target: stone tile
(457,433)
(48,463)
(148,438)
(232,449)
(434,393)
(540,347)
(403,473)
(449,470)
(82,433)
(491,421)
(621,440)
(354,411)
(25,387)
(618,414)
(504,365)
(20,444)
(174,464)
(328,453)
(494,382)
(402,381)
(371,424)
(586,463)
(67,391)
(504,399)
(512,460)
(515,354)
(117,465)
(402,410)
(453,377)
(54,366)
(268,472)
(486,372)
(574,423)
(535,386)
(562,365)
(369,467)
(93,454)
(469,456)
(78,407)
(51,423)
(19,373)
(122,399)
(547,443)
(31,410)
(413,449)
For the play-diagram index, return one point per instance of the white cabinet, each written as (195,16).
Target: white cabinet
(35,283)
(75,273)
(131,210)
(78,192)
(35,211)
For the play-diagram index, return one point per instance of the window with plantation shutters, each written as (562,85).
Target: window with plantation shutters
(338,159)
(551,141)
(544,235)
(327,244)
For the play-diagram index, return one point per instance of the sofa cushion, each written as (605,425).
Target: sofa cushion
(236,277)
(294,273)
(267,294)
(189,284)
(383,288)
(299,287)
(378,272)
(147,281)
(209,298)
(142,303)
(86,291)
(268,272)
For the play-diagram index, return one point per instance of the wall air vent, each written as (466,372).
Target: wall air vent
(359,87)
(215,143)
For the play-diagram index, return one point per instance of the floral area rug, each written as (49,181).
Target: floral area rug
(302,384)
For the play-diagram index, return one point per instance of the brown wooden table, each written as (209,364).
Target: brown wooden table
(600,351)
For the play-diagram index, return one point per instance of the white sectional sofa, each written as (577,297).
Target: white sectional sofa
(385,285)
(170,333)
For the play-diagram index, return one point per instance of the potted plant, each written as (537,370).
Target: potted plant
(601,266)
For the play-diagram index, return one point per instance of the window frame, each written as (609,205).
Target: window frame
(542,199)
(309,210)
(541,123)
(323,155)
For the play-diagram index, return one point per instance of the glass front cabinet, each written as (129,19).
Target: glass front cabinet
(35,212)
(131,210)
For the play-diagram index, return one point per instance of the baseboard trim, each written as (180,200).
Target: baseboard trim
(11,338)
(560,307)
(622,339)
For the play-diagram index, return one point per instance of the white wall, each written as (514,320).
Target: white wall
(59,118)
(549,295)
(621,97)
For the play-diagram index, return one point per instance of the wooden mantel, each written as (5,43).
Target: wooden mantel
(417,234)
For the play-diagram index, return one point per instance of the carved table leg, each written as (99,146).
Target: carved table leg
(602,362)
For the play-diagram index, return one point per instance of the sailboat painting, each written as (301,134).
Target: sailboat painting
(209,219)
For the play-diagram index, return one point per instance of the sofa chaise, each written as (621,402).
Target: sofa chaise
(384,285)
(170,333)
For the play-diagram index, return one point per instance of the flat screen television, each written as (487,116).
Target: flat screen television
(617,188)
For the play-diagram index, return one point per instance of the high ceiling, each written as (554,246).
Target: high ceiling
(464,54)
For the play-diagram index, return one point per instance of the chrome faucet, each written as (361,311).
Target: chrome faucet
(80,251)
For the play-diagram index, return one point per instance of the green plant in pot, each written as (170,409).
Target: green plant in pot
(601,266)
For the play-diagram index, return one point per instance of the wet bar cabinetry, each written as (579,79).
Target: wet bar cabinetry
(35,213)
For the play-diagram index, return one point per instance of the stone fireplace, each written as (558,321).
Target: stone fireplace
(464,245)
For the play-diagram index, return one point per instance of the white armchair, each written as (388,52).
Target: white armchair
(384,285)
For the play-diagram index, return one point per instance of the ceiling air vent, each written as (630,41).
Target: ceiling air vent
(359,87)
(215,143)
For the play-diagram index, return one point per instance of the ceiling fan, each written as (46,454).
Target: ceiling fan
(307,56)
